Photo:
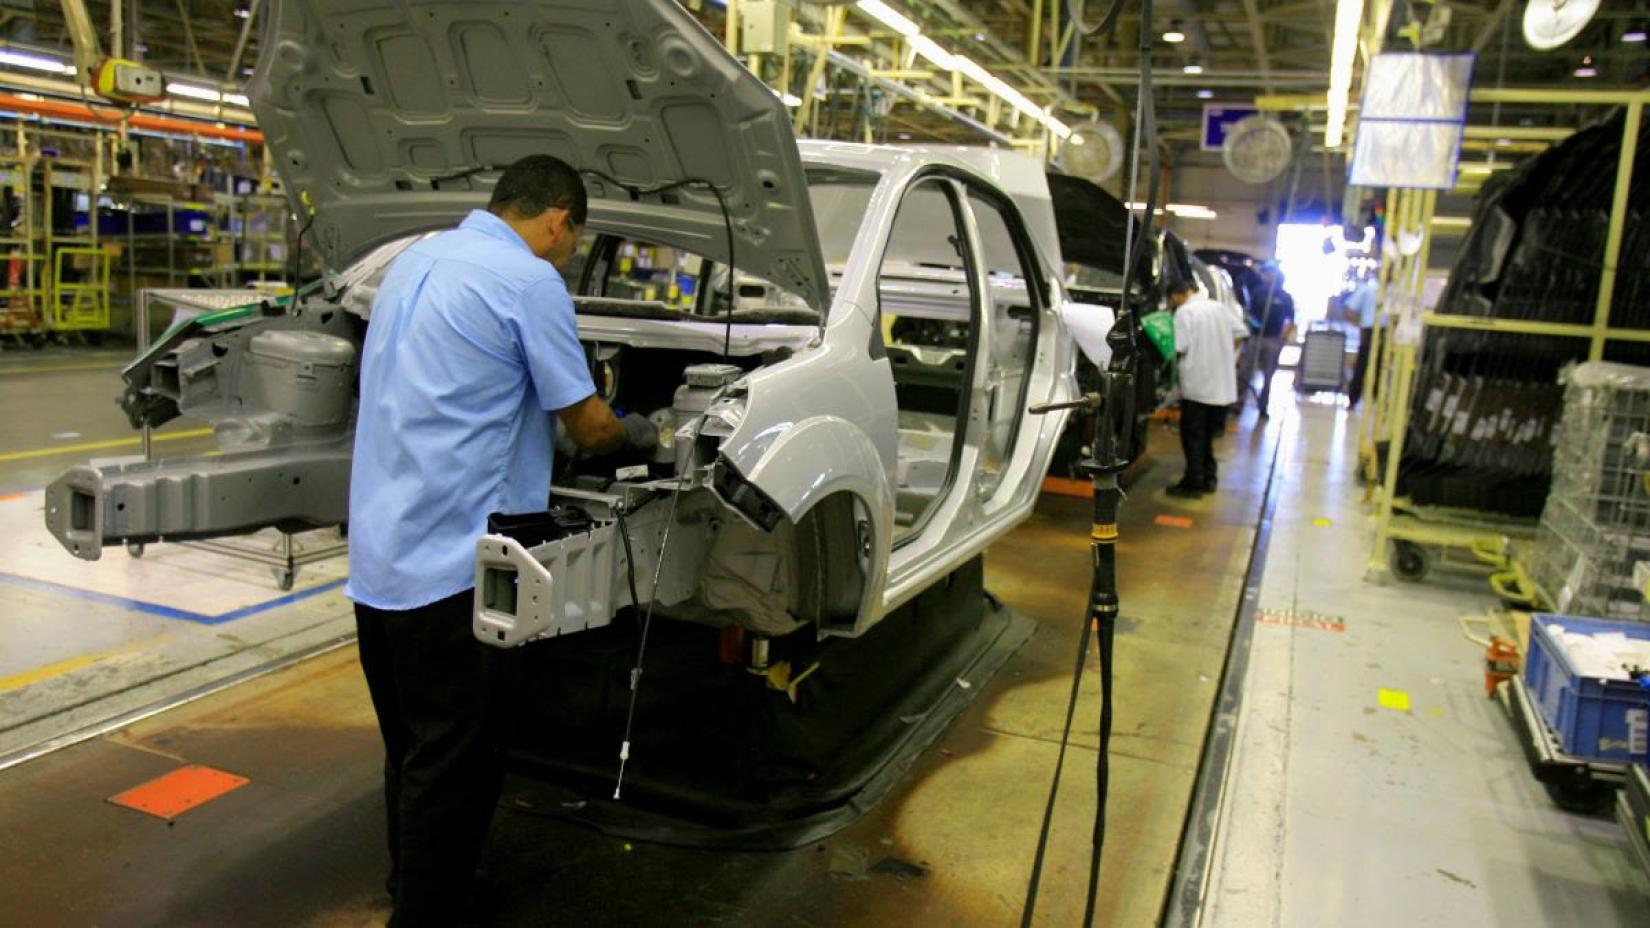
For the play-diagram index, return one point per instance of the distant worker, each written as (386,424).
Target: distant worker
(473,349)
(1360,308)
(1277,328)
(1205,340)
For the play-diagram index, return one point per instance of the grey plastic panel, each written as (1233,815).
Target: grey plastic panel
(374,108)
(137,501)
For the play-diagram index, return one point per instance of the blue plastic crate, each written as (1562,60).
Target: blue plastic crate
(1595,719)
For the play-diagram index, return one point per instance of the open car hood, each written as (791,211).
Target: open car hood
(387,118)
(1093,225)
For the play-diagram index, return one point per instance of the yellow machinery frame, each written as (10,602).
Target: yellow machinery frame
(1393,361)
(80,305)
(1484,537)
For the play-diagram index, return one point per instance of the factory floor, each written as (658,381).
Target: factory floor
(1327,799)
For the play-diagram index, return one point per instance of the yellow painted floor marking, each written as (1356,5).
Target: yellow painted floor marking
(72,664)
(57,369)
(28,677)
(1321,522)
(1394,699)
(61,450)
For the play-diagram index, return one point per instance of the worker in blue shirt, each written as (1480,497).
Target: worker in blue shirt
(471,348)
(1360,307)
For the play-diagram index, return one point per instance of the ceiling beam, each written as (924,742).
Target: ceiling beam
(1257,36)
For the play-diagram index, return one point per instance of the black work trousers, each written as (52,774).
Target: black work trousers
(1360,368)
(433,686)
(1199,424)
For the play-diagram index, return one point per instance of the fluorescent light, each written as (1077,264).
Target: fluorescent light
(931,50)
(1349,15)
(1174,37)
(1061,130)
(236,99)
(34,62)
(1076,140)
(1586,71)
(1192,69)
(1635,35)
(198,93)
(904,135)
(1205,94)
(888,16)
(1180,210)
(790,99)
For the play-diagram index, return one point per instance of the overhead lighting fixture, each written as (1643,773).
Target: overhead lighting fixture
(1192,69)
(1633,35)
(979,37)
(1503,143)
(1174,36)
(197,93)
(790,99)
(1349,15)
(1205,94)
(34,62)
(1076,140)
(238,99)
(1586,71)
(1180,210)
(888,16)
(903,135)
(931,50)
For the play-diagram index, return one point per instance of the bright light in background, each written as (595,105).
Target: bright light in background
(1174,36)
(1205,94)
(1349,15)
(790,99)
(1309,274)
(931,50)
(34,62)
(1586,71)
(1192,69)
(1636,35)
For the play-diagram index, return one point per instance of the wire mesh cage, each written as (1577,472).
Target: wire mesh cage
(1595,526)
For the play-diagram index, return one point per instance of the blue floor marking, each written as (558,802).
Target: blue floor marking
(168,612)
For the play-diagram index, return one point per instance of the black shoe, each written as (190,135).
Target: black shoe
(1182,491)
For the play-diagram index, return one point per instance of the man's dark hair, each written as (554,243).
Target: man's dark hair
(1180,286)
(537,183)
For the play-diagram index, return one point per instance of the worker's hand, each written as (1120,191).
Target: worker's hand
(639,432)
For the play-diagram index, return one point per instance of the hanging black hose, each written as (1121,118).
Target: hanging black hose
(1114,448)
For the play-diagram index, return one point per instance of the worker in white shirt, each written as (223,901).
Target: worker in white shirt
(1205,341)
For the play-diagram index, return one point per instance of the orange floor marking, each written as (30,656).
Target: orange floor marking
(1173,521)
(1065,486)
(175,793)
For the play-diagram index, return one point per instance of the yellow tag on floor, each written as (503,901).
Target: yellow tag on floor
(1394,699)
(1321,522)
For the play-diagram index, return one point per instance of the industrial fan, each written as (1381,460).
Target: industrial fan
(1094,151)
(1551,23)
(1257,149)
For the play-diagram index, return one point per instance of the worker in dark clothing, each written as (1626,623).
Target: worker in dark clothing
(1277,330)
(471,349)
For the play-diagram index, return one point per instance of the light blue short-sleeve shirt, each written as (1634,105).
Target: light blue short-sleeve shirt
(471,345)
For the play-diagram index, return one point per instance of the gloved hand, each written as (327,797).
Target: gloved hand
(566,447)
(640,432)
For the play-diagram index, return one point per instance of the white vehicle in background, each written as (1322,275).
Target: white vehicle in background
(847,423)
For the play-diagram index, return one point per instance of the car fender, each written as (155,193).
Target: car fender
(814,459)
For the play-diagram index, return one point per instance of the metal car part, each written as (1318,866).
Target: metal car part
(388,119)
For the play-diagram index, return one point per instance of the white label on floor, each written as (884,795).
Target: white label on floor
(1638,731)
